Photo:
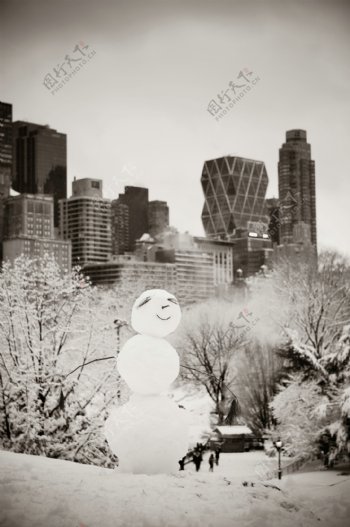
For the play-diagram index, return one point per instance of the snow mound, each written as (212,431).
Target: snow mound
(41,492)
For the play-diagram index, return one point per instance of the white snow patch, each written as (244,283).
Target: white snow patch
(41,492)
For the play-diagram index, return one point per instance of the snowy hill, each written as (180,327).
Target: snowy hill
(41,492)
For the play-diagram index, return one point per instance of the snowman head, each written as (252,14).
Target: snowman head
(156,313)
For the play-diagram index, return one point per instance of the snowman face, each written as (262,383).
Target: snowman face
(156,313)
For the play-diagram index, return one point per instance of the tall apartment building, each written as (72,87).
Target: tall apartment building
(273,210)
(5,148)
(85,219)
(39,161)
(297,194)
(136,199)
(158,217)
(29,230)
(120,227)
(5,161)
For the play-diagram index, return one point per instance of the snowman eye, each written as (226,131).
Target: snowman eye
(173,300)
(147,299)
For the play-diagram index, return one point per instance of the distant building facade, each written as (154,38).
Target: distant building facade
(252,251)
(222,252)
(297,194)
(85,219)
(29,230)
(194,266)
(126,269)
(39,161)
(158,217)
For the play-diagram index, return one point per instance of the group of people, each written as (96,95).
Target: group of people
(196,456)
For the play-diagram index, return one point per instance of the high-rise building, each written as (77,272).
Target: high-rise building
(234,191)
(39,161)
(273,210)
(85,219)
(297,196)
(120,227)
(29,230)
(158,217)
(5,148)
(5,161)
(136,199)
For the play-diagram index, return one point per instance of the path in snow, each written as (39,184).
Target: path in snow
(41,492)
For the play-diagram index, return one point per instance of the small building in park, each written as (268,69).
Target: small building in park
(235,438)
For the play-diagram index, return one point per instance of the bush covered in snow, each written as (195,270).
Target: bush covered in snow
(54,390)
(314,400)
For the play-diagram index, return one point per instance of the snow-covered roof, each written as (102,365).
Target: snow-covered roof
(233,430)
(146,238)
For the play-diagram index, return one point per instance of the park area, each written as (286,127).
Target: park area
(39,492)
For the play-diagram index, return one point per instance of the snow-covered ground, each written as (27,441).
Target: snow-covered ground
(41,492)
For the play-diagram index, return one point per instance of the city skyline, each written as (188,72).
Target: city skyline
(137,113)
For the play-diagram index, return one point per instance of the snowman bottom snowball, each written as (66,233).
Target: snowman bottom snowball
(148,434)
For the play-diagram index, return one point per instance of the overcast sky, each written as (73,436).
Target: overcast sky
(141,101)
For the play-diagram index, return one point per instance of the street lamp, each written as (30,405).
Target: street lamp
(118,324)
(278,445)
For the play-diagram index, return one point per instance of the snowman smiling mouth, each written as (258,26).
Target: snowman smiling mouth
(163,318)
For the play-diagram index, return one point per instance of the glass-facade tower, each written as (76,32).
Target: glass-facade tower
(234,191)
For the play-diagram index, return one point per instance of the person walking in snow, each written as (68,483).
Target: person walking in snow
(182,463)
(211,463)
(217,455)
(197,460)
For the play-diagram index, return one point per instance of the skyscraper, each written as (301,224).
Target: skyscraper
(136,199)
(158,217)
(5,148)
(120,227)
(234,191)
(85,219)
(5,161)
(297,197)
(39,161)
(273,209)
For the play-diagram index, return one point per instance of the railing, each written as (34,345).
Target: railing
(264,470)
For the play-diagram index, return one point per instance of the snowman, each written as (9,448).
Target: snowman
(149,433)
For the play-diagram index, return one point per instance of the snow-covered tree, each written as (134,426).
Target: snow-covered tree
(259,370)
(315,321)
(54,388)
(304,412)
(208,345)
